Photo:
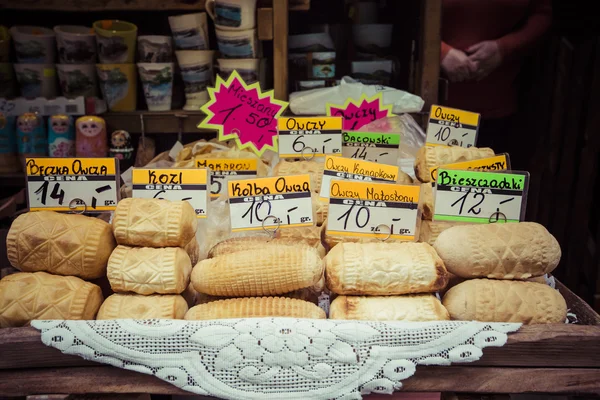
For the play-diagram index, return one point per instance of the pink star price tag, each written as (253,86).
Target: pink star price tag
(243,112)
(358,113)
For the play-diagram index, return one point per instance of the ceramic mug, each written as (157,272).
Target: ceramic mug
(34,44)
(197,73)
(190,31)
(37,80)
(8,81)
(118,83)
(76,44)
(247,68)
(232,14)
(155,48)
(157,80)
(4,44)
(237,44)
(77,79)
(116,41)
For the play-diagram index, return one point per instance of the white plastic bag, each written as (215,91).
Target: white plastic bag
(313,102)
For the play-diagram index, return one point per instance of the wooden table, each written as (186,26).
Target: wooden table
(560,358)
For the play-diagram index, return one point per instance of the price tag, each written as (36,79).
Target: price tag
(87,184)
(482,197)
(452,127)
(278,202)
(378,147)
(222,170)
(358,113)
(373,210)
(355,170)
(244,113)
(309,137)
(499,162)
(173,184)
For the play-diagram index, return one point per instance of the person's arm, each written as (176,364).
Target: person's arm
(538,22)
(445,50)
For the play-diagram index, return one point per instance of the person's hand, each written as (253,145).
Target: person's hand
(457,66)
(487,57)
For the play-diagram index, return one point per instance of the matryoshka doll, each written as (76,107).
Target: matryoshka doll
(120,148)
(9,161)
(31,136)
(91,140)
(61,136)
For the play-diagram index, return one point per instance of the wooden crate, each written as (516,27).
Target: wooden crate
(557,358)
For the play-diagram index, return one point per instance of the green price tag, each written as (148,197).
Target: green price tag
(481,197)
(379,147)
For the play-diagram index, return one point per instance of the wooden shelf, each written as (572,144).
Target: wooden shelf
(129,5)
(161,122)
(13,180)
(557,358)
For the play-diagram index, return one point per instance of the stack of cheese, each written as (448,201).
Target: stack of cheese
(149,269)
(505,254)
(254,275)
(432,157)
(56,252)
(386,281)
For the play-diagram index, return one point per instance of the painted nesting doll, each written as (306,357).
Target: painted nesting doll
(9,161)
(91,139)
(31,136)
(61,136)
(121,148)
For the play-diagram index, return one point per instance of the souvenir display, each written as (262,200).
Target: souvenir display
(61,136)
(31,136)
(120,145)
(91,139)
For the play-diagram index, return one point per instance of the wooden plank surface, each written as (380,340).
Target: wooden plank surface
(429,43)
(264,22)
(531,346)
(165,122)
(280,49)
(427,379)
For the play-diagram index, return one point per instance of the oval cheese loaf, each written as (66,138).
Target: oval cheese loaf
(145,270)
(137,306)
(26,296)
(384,269)
(249,307)
(267,270)
(433,156)
(154,223)
(62,244)
(410,307)
(498,251)
(505,301)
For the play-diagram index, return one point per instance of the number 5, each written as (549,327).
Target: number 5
(212,184)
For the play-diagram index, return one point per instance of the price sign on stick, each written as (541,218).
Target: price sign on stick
(309,137)
(72,184)
(378,147)
(358,113)
(452,127)
(222,170)
(373,210)
(243,112)
(173,184)
(270,203)
(501,162)
(355,170)
(482,197)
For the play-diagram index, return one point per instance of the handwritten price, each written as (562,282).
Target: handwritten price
(59,194)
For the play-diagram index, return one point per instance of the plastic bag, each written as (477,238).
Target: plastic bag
(313,102)
(412,138)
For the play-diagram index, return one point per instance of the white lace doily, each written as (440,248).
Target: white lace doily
(283,357)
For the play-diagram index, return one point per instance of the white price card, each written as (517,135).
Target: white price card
(373,210)
(481,197)
(452,127)
(223,170)
(377,147)
(173,184)
(309,137)
(355,170)
(278,202)
(72,184)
